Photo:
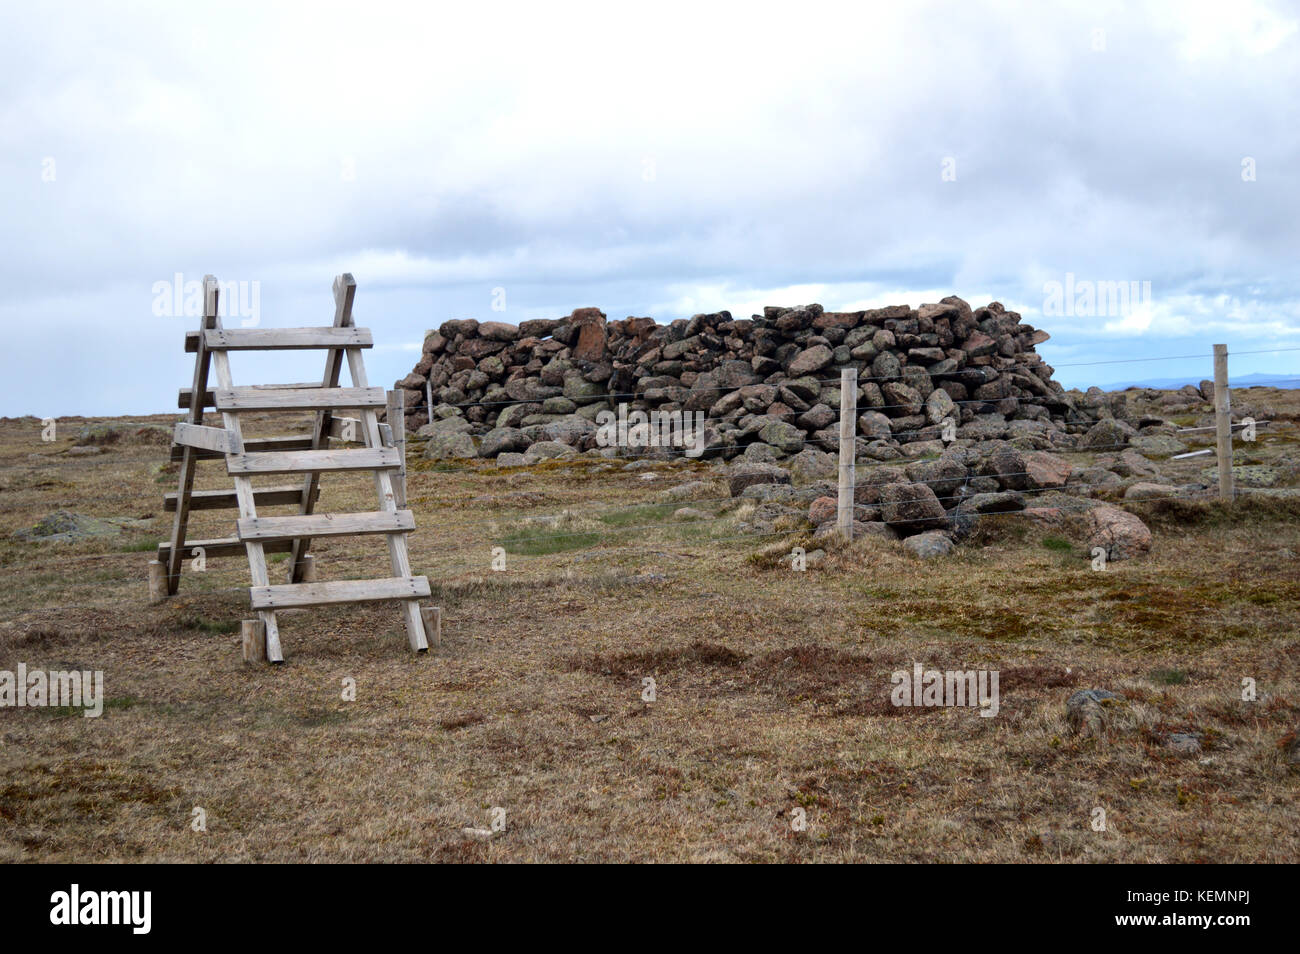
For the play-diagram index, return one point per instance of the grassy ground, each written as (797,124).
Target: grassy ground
(771,686)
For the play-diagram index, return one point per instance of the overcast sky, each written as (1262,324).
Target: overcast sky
(651,159)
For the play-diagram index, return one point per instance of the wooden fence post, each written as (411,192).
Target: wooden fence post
(397,426)
(1223,421)
(848,449)
(432,624)
(253,633)
(157,581)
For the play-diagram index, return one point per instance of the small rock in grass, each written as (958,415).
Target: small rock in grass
(1086,710)
(926,546)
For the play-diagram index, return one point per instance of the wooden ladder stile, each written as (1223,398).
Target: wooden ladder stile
(382,452)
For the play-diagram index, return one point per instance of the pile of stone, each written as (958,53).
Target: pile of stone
(958,417)
(506,387)
(767,385)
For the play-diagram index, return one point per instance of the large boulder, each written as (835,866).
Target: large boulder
(450,445)
(445,426)
(811,361)
(822,509)
(944,476)
(1121,534)
(592,338)
(1144,490)
(547,450)
(874,426)
(930,544)
(783,436)
(1107,434)
(501,439)
(1007,501)
(812,464)
(911,508)
(1004,463)
(1046,471)
(748,474)
(939,406)
(498,331)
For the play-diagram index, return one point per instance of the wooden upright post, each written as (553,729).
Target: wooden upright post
(157,581)
(1223,421)
(397,428)
(848,449)
(253,634)
(432,616)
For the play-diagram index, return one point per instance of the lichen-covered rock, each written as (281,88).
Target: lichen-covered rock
(911,508)
(822,509)
(1046,471)
(1108,434)
(450,445)
(66,526)
(930,544)
(751,473)
(784,437)
(547,450)
(1147,491)
(1088,710)
(501,439)
(1121,534)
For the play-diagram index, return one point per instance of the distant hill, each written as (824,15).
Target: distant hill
(1244,381)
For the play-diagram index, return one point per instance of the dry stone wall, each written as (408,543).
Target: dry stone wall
(770,380)
(958,416)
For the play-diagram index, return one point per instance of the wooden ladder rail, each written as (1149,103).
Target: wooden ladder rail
(243,484)
(397,551)
(189,456)
(345,291)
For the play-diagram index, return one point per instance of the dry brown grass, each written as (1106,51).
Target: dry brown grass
(772,690)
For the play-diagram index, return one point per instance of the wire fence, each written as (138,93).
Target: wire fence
(705,528)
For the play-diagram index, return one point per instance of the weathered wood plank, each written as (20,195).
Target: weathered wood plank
(207,438)
(396,438)
(325,525)
(261,399)
(209,400)
(228,500)
(286,339)
(253,445)
(253,637)
(307,461)
(292,595)
(218,547)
